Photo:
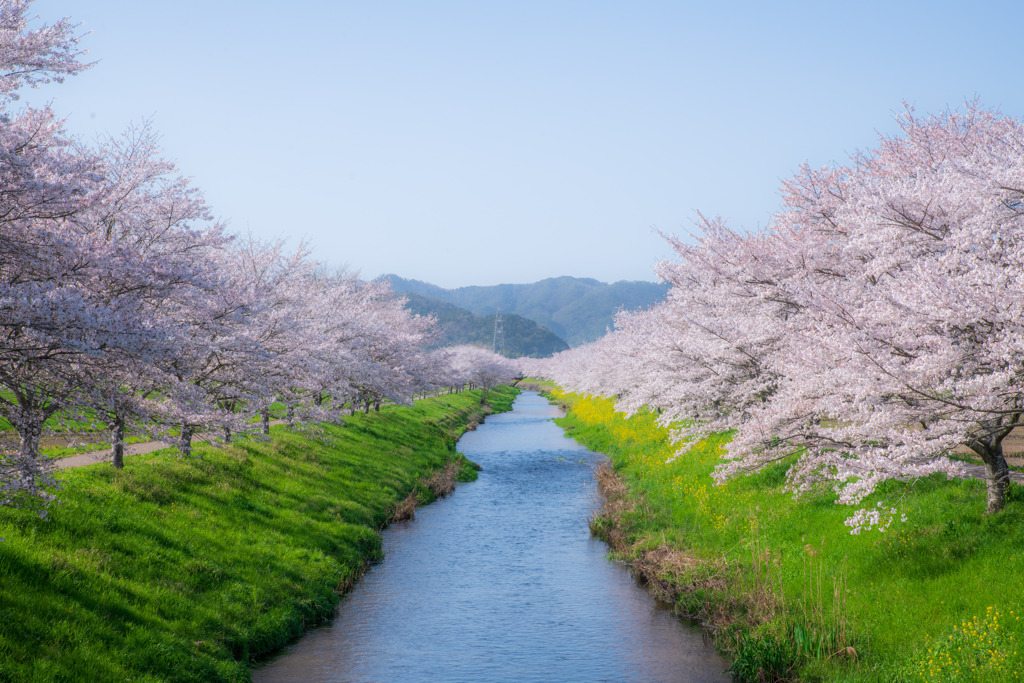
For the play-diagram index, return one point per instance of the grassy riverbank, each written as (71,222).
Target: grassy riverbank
(788,591)
(177,569)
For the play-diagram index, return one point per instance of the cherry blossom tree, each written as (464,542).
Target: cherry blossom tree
(391,352)
(46,312)
(230,338)
(34,57)
(122,298)
(481,368)
(161,234)
(907,266)
(873,328)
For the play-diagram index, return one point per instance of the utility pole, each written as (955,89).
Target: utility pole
(499,334)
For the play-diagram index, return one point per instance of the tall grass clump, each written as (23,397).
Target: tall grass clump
(784,587)
(188,569)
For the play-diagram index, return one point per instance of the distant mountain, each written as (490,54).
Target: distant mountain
(578,310)
(522,337)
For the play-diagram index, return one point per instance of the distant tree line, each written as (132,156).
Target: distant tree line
(521,336)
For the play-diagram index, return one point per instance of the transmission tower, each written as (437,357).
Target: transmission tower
(499,334)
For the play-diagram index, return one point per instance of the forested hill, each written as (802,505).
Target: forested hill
(523,337)
(578,310)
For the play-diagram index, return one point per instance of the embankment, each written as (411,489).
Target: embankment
(783,586)
(530,384)
(176,569)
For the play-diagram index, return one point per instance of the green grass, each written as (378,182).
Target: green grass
(63,423)
(85,422)
(58,452)
(186,570)
(784,581)
(535,384)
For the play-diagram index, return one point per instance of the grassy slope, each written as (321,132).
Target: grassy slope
(784,581)
(185,569)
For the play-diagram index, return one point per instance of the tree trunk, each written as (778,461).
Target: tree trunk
(117,443)
(997,473)
(30,429)
(227,434)
(318,399)
(290,415)
(185,440)
(265,422)
(997,480)
(376,406)
(27,472)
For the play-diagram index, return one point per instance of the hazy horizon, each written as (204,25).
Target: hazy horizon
(529,282)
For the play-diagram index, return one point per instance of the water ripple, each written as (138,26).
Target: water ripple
(502,582)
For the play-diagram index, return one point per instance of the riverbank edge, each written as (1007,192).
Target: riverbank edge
(162,571)
(737,611)
(426,489)
(658,569)
(743,592)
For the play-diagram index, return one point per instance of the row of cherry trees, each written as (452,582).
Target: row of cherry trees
(121,297)
(876,326)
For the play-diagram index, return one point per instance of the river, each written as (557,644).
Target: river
(502,581)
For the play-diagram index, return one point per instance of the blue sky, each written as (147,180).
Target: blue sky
(480,142)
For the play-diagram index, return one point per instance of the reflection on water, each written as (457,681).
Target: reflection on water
(502,582)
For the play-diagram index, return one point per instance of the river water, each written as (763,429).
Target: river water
(502,581)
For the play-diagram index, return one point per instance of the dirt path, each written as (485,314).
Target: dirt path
(1013,448)
(93,457)
(978,471)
